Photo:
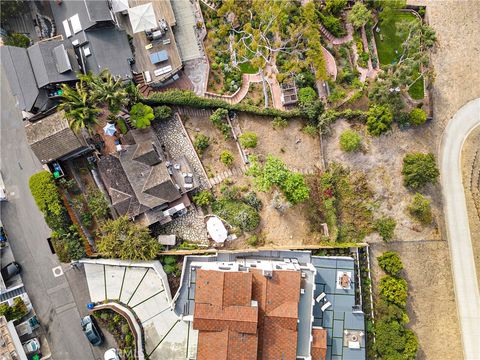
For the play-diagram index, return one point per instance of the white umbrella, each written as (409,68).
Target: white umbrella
(142,17)
(120,5)
(109,129)
(216,229)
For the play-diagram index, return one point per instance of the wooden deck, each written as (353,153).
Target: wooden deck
(163,10)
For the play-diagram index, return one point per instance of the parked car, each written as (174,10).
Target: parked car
(31,346)
(91,330)
(111,354)
(10,270)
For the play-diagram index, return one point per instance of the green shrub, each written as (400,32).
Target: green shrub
(394,290)
(45,193)
(310,130)
(68,244)
(390,262)
(385,226)
(275,173)
(279,123)
(201,143)
(237,213)
(87,219)
(203,198)
(350,141)
(231,192)
(251,199)
(14,312)
(141,115)
(219,120)
(18,40)
(163,112)
(254,241)
(420,209)
(417,116)
(226,158)
(379,119)
(97,203)
(419,170)
(188,98)
(248,139)
(122,126)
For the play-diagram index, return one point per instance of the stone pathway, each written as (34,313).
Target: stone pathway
(337,41)
(330,63)
(240,94)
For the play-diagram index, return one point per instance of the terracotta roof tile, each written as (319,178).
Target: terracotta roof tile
(319,344)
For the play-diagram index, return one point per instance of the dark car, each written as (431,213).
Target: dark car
(11,270)
(91,331)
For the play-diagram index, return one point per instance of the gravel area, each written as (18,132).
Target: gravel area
(173,136)
(189,227)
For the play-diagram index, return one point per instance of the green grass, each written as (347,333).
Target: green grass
(391,38)
(247,68)
(417,91)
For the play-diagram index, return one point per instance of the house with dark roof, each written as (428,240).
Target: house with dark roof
(142,183)
(90,27)
(34,74)
(52,139)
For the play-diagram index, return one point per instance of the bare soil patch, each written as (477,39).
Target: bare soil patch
(196,125)
(382,160)
(295,148)
(431,304)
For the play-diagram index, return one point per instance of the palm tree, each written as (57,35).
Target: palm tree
(109,90)
(79,107)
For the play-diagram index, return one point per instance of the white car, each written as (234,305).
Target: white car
(31,346)
(111,354)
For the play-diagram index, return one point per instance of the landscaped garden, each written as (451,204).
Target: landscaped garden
(389,38)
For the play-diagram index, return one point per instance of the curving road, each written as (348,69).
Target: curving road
(455,208)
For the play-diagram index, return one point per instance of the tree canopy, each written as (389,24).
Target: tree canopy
(123,239)
(141,115)
(350,141)
(379,119)
(419,169)
(359,15)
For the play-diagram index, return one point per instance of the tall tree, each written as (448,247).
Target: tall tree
(109,90)
(359,15)
(79,106)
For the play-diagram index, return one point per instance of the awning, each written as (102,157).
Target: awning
(216,230)
(142,17)
(109,129)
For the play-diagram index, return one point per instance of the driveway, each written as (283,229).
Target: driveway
(51,296)
(463,264)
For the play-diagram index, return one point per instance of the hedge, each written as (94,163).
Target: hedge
(65,237)
(188,98)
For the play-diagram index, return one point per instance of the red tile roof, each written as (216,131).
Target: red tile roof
(319,344)
(231,328)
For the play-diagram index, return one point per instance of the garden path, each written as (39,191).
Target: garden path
(337,41)
(330,63)
(240,94)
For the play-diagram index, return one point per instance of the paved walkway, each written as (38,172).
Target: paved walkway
(330,63)
(240,94)
(455,208)
(337,41)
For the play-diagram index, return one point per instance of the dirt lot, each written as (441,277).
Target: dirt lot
(295,148)
(382,160)
(211,157)
(431,303)
(471,172)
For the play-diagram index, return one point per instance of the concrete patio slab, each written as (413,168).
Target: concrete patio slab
(96,282)
(114,279)
(133,276)
(150,285)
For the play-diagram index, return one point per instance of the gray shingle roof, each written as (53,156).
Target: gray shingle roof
(44,62)
(51,138)
(110,50)
(20,76)
(135,186)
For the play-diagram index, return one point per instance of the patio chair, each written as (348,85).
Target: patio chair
(320,297)
(326,306)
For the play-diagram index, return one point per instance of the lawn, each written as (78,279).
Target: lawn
(388,41)
(248,68)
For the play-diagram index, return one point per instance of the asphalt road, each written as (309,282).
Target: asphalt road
(463,263)
(58,301)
